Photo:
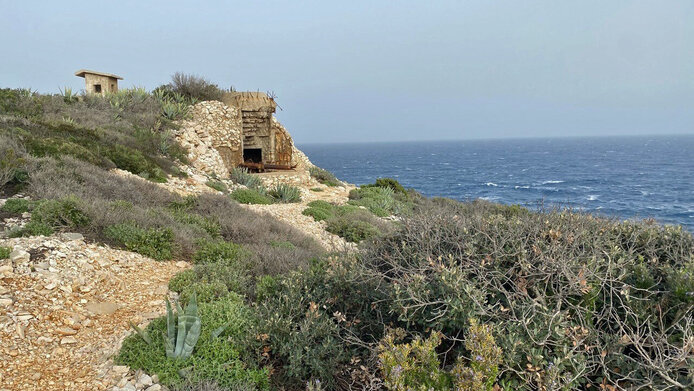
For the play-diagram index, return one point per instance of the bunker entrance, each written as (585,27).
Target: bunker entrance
(253,155)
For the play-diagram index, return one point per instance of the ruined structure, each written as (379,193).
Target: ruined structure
(266,143)
(241,131)
(99,82)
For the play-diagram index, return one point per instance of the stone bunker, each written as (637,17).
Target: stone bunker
(239,131)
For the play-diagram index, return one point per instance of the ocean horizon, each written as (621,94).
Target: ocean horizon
(626,177)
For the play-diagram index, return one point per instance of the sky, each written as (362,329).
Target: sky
(365,71)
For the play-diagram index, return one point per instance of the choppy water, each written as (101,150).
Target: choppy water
(628,177)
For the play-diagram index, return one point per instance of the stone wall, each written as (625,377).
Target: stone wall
(108,84)
(212,136)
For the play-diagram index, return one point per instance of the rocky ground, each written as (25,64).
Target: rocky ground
(65,309)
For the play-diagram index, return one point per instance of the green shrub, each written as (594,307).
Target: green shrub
(412,366)
(215,358)
(302,336)
(63,213)
(352,229)
(156,243)
(181,280)
(250,196)
(320,210)
(416,366)
(217,185)
(16,206)
(132,160)
(219,251)
(32,228)
(485,356)
(205,291)
(388,183)
(242,176)
(348,221)
(324,176)
(5,252)
(317,189)
(212,281)
(284,193)
(283,244)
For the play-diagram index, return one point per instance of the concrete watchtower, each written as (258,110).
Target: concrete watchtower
(99,82)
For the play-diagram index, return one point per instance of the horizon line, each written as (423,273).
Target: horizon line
(501,138)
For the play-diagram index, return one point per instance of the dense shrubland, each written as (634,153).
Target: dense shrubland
(472,296)
(447,295)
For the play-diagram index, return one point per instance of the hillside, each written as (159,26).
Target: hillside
(113,206)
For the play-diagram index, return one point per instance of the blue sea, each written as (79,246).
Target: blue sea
(626,177)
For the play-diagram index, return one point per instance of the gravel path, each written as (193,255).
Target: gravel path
(65,307)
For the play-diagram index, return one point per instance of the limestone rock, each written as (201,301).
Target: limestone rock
(102,308)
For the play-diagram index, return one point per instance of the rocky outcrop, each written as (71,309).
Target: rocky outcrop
(212,136)
(300,160)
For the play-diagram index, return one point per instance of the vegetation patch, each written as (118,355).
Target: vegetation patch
(242,176)
(250,196)
(217,354)
(385,198)
(16,206)
(156,243)
(350,222)
(5,252)
(324,176)
(217,185)
(285,194)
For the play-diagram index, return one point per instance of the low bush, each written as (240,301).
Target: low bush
(317,189)
(383,200)
(320,210)
(217,185)
(250,196)
(283,244)
(324,176)
(50,215)
(416,366)
(16,206)
(64,213)
(353,227)
(216,358)
(242,176)
(285,194)
(12,158)
(32,228)
(156,243)
(5,252)
(194,88)
(219,252)
(388,183)
(350,222)
(134,161)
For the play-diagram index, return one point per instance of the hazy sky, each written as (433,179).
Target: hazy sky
(385,70)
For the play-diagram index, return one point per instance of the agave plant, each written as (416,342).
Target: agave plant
(180,340)
(68,95)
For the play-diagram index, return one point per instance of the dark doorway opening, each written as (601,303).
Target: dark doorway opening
(97,88)
(253,155)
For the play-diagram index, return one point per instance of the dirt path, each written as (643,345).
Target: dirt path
(65,307)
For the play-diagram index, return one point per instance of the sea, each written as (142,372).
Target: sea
(623,177)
